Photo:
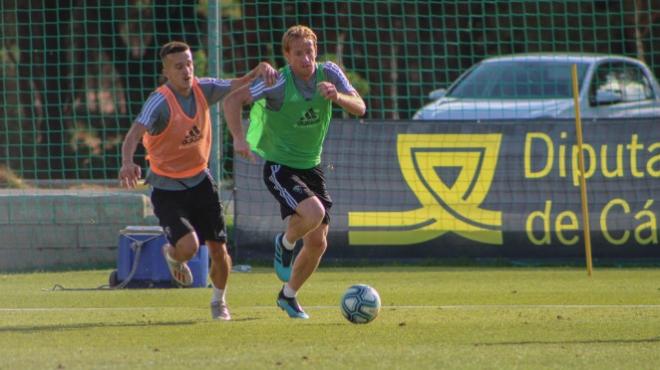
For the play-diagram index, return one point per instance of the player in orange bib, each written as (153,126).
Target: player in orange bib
(175,128)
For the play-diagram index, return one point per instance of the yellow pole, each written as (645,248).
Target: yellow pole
(583,181)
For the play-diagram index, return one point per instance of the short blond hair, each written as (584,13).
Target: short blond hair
(297,32)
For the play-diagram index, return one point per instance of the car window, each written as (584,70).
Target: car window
(625,81)
(518,79)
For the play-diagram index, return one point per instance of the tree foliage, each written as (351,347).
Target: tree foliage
(76,72)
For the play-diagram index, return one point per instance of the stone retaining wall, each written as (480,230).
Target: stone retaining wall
(41,229)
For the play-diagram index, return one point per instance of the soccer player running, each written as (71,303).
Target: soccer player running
(288,124)
(175,128)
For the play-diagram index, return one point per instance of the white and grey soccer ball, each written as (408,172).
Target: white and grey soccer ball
(360,304)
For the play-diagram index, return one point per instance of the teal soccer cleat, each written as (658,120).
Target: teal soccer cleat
(291,306)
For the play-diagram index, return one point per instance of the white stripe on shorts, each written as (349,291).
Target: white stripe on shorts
(290,200)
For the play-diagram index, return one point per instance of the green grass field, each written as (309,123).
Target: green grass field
(432,317)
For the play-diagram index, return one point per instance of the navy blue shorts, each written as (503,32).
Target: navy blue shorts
(196,209)
(290,186)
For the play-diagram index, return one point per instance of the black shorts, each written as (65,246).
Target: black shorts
(290,186)
(195,209)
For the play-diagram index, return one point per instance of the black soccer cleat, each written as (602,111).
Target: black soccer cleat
(284,259)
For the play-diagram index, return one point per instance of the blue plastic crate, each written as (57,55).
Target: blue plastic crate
(152,268)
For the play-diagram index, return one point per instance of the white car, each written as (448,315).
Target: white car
(539,86)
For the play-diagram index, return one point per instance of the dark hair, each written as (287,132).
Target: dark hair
(173,47)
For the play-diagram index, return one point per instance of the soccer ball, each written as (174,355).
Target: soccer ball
(360,304)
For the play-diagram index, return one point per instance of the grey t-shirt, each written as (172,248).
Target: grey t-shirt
(274,94)
(155,115)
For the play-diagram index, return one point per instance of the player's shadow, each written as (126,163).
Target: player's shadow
(242,319)
(46,328)
(585,341)
(42,328)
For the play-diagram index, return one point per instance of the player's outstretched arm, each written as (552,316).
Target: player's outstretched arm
(130,173)
(264,71)
(232,107)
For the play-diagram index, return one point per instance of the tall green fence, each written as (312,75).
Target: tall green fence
(75,73)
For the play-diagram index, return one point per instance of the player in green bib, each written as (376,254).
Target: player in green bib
(288,125)
(286,136)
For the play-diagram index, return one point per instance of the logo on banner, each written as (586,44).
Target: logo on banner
(450,175)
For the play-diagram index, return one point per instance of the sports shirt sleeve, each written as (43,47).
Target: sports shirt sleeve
(154,114)
(274,94)
(335,75)
(214,89)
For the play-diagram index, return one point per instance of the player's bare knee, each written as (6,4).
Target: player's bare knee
(189,252)
(316,245)
(311,207)
(313,213)
(322,246)
(187,247)
(218,251)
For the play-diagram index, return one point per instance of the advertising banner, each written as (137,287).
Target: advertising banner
(420,189)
